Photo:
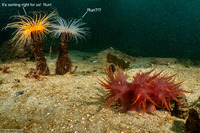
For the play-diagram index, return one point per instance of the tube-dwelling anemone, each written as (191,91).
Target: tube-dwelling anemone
(144,93)
(68,30)
(32,29)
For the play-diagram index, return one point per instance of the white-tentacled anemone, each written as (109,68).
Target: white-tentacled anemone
(73,27)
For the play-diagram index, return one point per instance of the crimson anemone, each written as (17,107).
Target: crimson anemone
(144,93)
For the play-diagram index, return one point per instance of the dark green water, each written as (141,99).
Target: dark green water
(161,28)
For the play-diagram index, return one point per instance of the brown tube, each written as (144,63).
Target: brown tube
(40,60)
(63,64)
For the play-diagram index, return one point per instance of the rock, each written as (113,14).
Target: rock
(193,122)
(118,62)
(101,56)
(165,61)
(19,93)
(17,80)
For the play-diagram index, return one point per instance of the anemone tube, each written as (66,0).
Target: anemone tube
(63,63)
(40,60)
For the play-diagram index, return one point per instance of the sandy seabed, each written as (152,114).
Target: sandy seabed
(72,103)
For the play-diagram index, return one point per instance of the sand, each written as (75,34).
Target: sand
(72,103)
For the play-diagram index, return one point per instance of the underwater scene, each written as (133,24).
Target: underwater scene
(100,66)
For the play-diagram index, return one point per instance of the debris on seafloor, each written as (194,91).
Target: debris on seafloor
(69,74)
(118,62)
(5,69)
(72,73)
(193,120)
(33,74)
(75,68)
(178,110)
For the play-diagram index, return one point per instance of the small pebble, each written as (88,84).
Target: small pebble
(17,80)
(19,93)
(93,61)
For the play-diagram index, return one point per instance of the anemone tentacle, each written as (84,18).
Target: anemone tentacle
(27,24)
(73,27)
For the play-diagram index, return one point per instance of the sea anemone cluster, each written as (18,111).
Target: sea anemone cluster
(32,29)
(144,93)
